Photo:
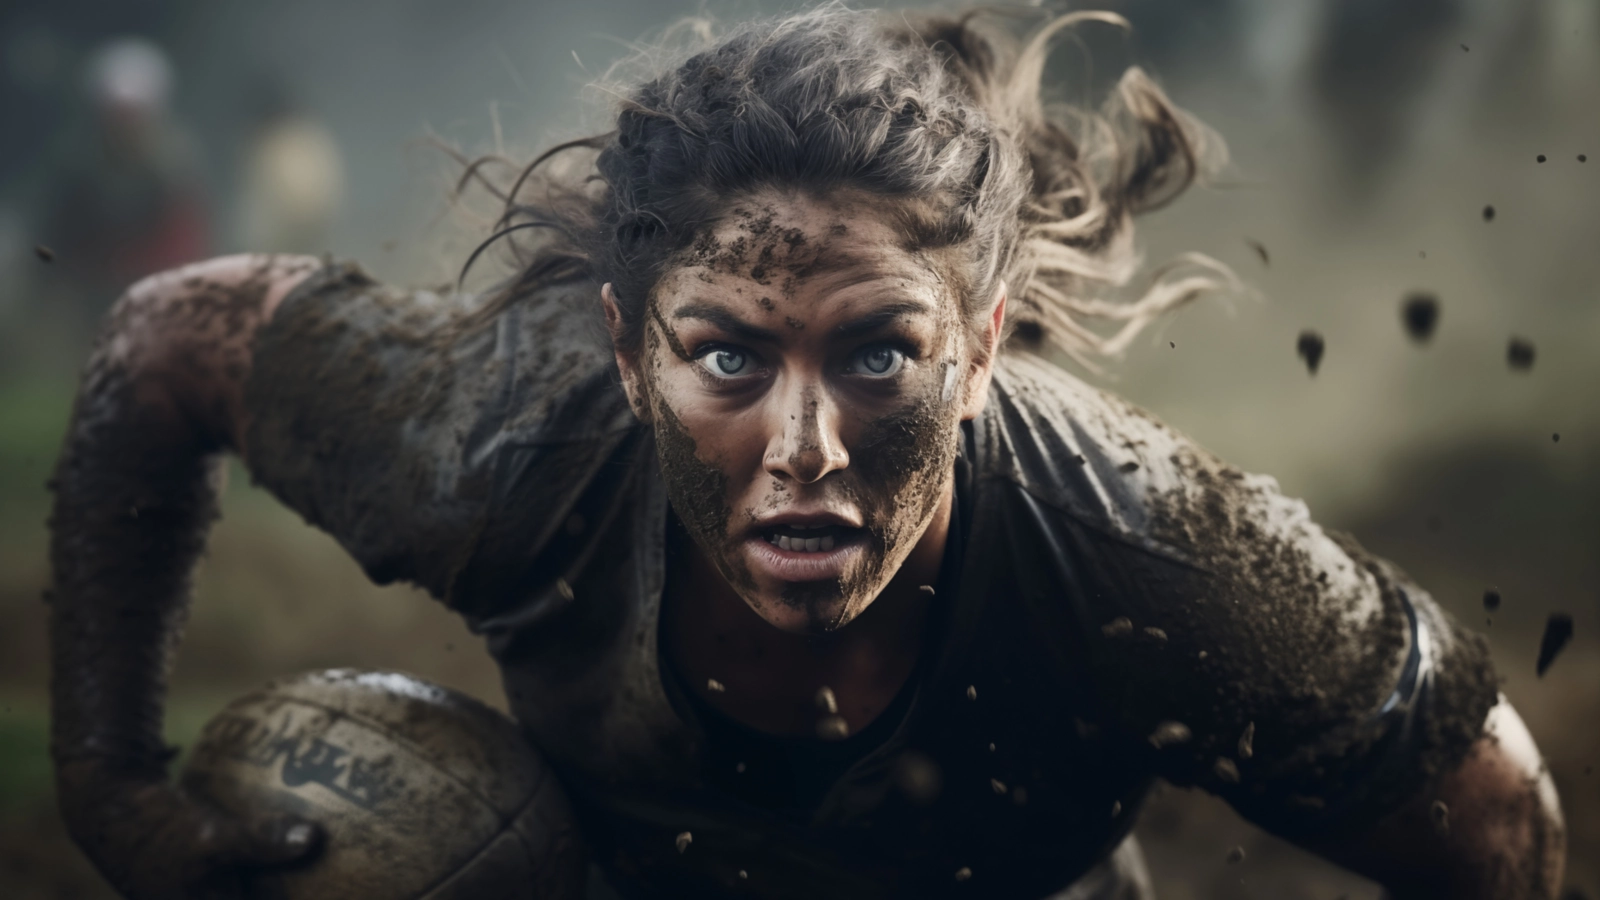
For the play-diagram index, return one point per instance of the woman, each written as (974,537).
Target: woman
(780,531)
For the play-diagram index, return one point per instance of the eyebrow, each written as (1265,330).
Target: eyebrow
(725,320)
(881,316)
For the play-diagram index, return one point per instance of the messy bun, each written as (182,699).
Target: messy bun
(944,113)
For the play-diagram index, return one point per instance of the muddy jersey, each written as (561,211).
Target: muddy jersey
(1125,607)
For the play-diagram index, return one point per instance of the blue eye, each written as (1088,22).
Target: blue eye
(878,361)
(726,363)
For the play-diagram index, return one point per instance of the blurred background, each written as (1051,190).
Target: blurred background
(1367,137)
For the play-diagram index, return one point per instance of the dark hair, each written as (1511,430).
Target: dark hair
(941,112)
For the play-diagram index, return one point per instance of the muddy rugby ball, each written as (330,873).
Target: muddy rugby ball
(423,792)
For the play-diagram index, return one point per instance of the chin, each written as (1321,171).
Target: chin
(806,609)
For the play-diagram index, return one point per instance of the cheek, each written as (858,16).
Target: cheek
(905,456)
(731,441)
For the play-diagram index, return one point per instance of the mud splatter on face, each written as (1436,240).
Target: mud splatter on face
(668,334)
(902,464)
(886,448)
(698,492)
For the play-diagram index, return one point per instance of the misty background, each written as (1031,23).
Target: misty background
(1367,138)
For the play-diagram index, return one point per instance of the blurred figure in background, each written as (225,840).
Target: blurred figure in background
(292,184)
(128,196)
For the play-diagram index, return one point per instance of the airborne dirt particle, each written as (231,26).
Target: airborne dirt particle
(972,692)
(1116,808)
(44,253)
(1557,632)
(684,840)
(833,728)
(963,873)
(1226,770)
(1168,734)
(926,589)
(996,785)
(826,701)
(1420,313)
(1310,347)
(1582,158)
(1519,354)
(1488,213)
(1539,158)
(1121,626)
(1491,600)
(1247,741)
(715,686)
(1155,634)
(1235,856)
(1261,251)
(1439,813)
(1556,438)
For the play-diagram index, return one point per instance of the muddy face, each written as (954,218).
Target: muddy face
(806,375)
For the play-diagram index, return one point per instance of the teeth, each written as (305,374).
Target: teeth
(800,544)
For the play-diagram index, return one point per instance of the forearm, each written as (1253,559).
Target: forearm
(1492,828)
(135,492)
(134,495)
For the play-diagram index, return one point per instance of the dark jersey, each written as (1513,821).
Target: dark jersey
(1125,607)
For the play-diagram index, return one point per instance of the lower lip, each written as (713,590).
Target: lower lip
(798,565)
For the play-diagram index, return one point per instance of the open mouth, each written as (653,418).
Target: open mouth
(819,539)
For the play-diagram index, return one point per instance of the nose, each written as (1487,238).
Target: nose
(806,444)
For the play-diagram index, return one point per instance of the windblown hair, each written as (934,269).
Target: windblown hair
(941,113)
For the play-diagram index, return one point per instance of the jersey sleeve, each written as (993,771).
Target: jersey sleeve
(1241,647)
(422,435)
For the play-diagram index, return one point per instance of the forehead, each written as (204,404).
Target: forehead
(800,250)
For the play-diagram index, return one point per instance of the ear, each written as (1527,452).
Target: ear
(627,360)
(977,392)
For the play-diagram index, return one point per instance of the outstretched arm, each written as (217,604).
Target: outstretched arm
(1491,828)
(135,491)
(1323,693)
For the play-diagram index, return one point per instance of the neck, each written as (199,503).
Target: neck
(771,677)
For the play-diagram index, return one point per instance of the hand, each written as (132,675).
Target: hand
(152,841)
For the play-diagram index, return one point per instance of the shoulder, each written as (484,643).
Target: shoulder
(1120,472)
(535,365)
(1081,449)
